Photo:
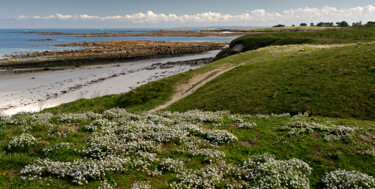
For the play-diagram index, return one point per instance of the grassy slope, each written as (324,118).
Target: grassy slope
(328,82)
(327,36)
(333,82)
(267,137)
(156,93)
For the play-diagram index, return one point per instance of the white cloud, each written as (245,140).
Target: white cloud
(63,17)
(45,17)
(22,17)
(88,17)
(256,16)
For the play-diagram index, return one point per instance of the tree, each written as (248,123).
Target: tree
(342,24)
(312,24)
(303,24)
(279,26)
(357,23)
(370,23)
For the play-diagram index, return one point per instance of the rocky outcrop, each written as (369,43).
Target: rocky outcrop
(112,51)
(195,62)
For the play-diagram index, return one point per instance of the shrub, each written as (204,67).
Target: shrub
(348,179)
(22,142)
(247,125)
(221,136)
(264,171)
(141,185)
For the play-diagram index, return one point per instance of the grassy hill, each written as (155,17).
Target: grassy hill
(324,36)
(334,81)
(326,81)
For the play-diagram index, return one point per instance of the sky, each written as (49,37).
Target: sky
(178,13)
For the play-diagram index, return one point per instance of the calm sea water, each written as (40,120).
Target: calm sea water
(13,40)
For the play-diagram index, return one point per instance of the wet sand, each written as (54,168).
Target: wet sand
(39,90)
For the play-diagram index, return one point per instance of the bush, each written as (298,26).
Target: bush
(264,171)
(342,24)
(221,136)
(348,179)
(22,142)
(279,26)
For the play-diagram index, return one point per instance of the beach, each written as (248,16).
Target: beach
(35,80)
(35,91)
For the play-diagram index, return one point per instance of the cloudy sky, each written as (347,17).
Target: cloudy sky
(178,13)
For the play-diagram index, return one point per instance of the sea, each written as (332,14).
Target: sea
(19,40)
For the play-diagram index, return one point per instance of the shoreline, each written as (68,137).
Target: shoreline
(107,52)
(39,90)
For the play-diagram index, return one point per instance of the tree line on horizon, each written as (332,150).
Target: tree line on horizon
(331,24)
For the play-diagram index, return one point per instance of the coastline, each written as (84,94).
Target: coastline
(106,52)
(35,91)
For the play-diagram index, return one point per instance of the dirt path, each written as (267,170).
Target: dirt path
(196,82)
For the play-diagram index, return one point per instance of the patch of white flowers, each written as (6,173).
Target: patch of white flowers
(56,147)
(27,120)
(247,125)
(23,141)
(264,116)
(4,119)
(220,136)
(301,115)
(105,185)
(198,116)
(119,140)
(79,171)
(342,179)
(262,171)
(122,142)
(370,152)
(141,185)
(173,165)
(331,132)
(80,117)
(266,172)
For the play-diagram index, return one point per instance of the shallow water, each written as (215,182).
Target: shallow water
(36,91)
(12,40)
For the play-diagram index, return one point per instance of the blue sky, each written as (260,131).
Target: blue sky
(177,13)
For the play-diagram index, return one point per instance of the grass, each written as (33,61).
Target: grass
(332,82)
(142,98)
(269,136)
(324,36)
(156,93)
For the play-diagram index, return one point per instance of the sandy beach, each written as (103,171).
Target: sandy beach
(39,90)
